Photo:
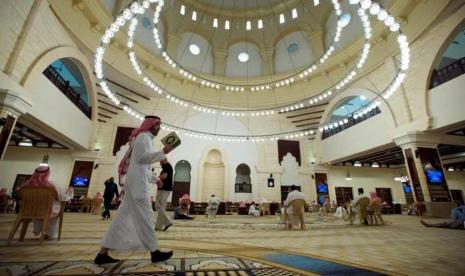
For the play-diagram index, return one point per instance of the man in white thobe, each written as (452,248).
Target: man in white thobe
(294,194)
(212,208)
(133,227)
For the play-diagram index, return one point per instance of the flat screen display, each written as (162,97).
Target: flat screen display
(80,181)
(322,188)
(434,176)
(407,189)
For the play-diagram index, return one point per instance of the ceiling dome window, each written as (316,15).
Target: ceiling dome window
(194,49)
(293,47)
(243,57)
(243,60)
(195,53)
(293,52)
(345,19)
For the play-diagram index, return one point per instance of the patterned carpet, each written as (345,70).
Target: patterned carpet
(182,266)
(245,245)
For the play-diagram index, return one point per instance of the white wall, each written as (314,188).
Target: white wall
(22,160)
(361,137)
(445,102)
(367,178)
(456,181)
(56,111)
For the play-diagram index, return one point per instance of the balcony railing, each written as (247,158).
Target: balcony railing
(330,132)
(63,86)
(447,73)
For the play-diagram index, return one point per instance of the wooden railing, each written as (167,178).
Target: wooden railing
(447,73)
(352,122)
(70,93)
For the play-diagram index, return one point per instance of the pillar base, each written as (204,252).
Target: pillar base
(439,209)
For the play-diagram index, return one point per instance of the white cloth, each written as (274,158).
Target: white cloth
(253,211)
(213,204)
(52,230)
(133,227)
(296,194)
(340,213)
(160,203)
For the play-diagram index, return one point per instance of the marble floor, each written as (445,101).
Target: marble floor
(244,245)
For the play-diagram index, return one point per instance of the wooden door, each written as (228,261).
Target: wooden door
(343,194)
(182,181)
(385,194)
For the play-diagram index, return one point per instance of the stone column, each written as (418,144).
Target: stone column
(426,172)
(268,60)
(317,43)
(173,44)
(12,105)
(220,61)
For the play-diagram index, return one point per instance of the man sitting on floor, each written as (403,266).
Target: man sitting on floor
(253,210)
(458,218)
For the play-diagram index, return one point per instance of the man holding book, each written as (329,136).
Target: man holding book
(133,227)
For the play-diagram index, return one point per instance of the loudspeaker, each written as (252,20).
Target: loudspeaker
(96,166)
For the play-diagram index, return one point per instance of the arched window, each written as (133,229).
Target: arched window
(347,108)
(195,53)
(351,32)
(65,74)
(292,52)
(243,181)
(452,63)
(347,114)
(243,60)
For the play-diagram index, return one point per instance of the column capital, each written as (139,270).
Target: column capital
(418,139)
(14,102)
(220,52)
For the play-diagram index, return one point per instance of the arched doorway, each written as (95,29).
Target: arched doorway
(243,183)
(182,181)
(213,175)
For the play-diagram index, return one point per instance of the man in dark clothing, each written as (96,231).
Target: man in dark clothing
(164,190)
(111,190)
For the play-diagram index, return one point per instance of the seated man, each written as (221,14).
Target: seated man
(294,194)
(212,208)
(253,211)
(40,178)
(359,206)
(458,218)
(181,212)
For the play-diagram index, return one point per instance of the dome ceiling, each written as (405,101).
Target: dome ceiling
(242,4)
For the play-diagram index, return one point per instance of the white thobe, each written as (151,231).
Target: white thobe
(340,212)
(52,230)
(133,227)
(356,210)
(253,211)
(296,194)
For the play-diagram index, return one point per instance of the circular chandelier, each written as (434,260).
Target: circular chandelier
(367,8)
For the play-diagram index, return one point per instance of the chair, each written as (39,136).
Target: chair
(265,208)
(60,217)
(36,203)
(374,214)
(96,205)
(298,206)
(86,204)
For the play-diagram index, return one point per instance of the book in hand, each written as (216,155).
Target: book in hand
(171,139)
